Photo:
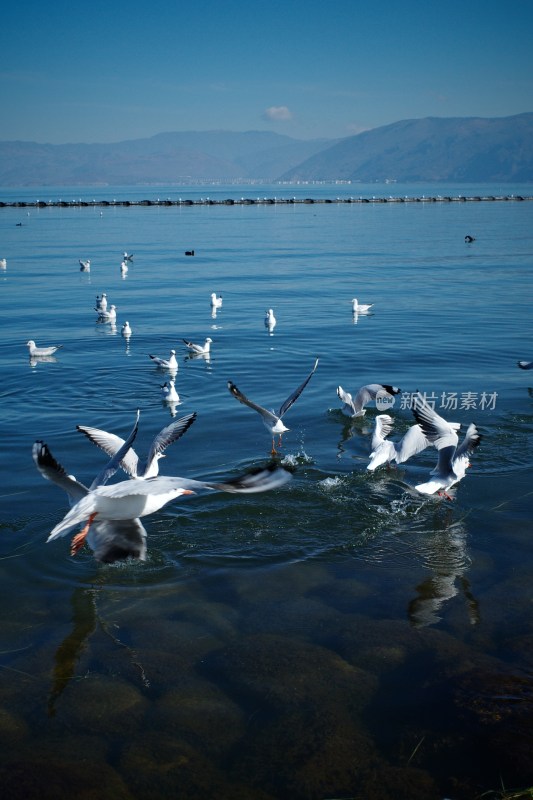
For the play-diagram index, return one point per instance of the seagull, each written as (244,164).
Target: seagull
(270,320)
(469,239)
(167,363)
(525,364)
(130,500)
(216,302)
(125,502)
(3,263)
(126,330)
(130,463)
(101,302)
(110,540)
(127,256)
(385,451)
(360,308)
(453,457)
(168,390)
(85,266)
(36,352)
(124,267)
(272,420)
(199,349)
(110,315)
(354,407)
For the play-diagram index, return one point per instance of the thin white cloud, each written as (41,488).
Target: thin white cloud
(277,114)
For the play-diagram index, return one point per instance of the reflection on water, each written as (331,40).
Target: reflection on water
(445,555)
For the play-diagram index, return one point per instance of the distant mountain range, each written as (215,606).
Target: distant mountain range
(472,149)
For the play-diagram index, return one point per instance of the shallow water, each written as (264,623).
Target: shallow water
(339,637)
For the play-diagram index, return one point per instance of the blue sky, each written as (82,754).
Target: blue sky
(108,71)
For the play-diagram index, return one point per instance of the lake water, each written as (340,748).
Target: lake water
(341,636)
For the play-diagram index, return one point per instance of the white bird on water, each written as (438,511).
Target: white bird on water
(361,308)
(525,364)
(270,320)
(167,363)
(216,302)
(130,463)
(36,352)
(3,263)
(126,330)
(110,315)
(85,266)
(272,420)
(355,406)
(170,395)
(101,302)
(199,349)
(123,267)
(453,459)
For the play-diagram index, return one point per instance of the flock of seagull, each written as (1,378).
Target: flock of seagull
(112,512)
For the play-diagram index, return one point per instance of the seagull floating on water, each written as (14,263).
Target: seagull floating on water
(361,308)
(168,390)
(126,330)
(469,239)
(36,352)
(272,420)
(525,364)
(453,457)
(270,320)
(101,302)
(167,363)
(355,406)
(85,266)
(110,315)
(127,256)
(199,349)
(130,463)
(123,267)
(216,302)
(3,263)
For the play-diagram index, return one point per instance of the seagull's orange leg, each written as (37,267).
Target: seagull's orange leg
(80,537)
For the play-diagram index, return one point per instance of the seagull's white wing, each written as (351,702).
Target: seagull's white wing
(346,398)
(439,432)
(470,442)
(412,443)
(169,435)
(111,467)
(111,444)
(383,425)
(296,394)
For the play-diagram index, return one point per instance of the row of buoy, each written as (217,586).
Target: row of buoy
(259,201)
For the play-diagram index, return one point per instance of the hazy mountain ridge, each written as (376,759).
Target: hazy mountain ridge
(471,149)
(163,158)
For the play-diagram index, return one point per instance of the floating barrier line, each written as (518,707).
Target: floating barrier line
(260,201)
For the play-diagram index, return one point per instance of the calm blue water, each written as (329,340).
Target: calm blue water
(339,637)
